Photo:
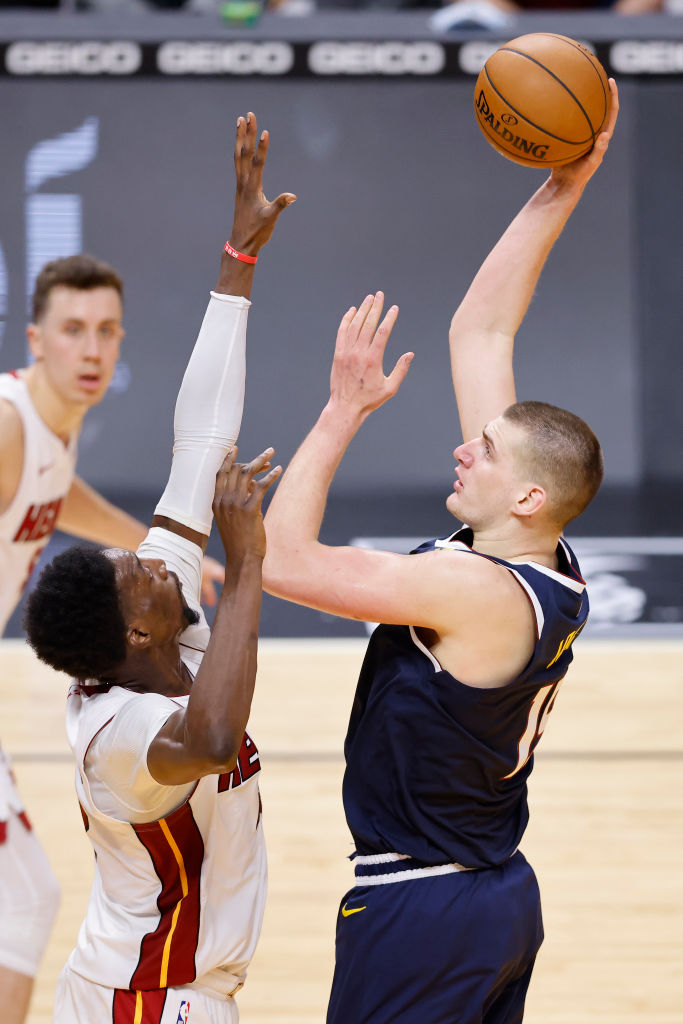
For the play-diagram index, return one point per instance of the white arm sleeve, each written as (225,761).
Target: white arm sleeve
(208,412)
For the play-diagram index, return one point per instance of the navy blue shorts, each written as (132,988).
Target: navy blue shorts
(447,949)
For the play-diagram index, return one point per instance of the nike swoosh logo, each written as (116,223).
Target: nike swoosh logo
(354,910)
(44,469)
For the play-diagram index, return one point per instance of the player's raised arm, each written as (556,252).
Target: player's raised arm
(353,582)
(484,326)
(211,398)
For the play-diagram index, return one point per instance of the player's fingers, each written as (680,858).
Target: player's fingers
(258,161)
(244,482)
(399,372)
(359,318)
(260,461)
(260,487)
(248,143)
(372,319)
(239,143)
(383,332)
(283,200)
(614,108)
(343,330)
(223,474)
(228,461)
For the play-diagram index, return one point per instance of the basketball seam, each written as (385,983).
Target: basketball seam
(520,53)
(527,159)
(567,142)
(587,56)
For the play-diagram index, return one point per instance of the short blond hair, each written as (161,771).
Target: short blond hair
(563,455)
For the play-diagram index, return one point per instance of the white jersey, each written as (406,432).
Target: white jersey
(181,894)
(46,477)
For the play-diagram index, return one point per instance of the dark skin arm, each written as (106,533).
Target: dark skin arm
(253,223)
(207,736)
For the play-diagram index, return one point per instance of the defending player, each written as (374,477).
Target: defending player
(166,776)
(75,337)
(444,922)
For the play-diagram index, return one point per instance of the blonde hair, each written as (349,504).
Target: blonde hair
(563,455)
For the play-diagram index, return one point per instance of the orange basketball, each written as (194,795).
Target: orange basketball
(542,100)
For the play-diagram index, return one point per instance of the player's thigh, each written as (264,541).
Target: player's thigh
(83,1002)
(434,950)
(508,1006)
(29,898)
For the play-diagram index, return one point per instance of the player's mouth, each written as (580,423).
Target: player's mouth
(90,382)
(458,484)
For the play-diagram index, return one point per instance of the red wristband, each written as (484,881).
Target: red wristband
(241,256)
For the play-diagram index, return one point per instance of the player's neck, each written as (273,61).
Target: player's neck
(158,671)
(61,416)
(518,542)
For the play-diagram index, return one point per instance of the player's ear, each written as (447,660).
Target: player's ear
(532,500)
(34,336)
(136,636)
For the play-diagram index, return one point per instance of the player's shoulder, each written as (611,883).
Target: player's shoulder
(473,590)
(10,421)
(11,452)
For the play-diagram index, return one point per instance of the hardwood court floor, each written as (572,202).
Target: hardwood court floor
(606,832)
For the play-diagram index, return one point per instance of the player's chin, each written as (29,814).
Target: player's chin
(453,504)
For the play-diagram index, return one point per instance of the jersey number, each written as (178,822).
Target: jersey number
(541,706)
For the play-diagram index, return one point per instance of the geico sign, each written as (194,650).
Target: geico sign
(649,57)
(242,58)
(413,58)
(83,58)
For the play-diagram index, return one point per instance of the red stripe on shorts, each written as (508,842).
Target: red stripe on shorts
(138,1007)
(176,848)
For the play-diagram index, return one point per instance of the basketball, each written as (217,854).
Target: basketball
(542,99)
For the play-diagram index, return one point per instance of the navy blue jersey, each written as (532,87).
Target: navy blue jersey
(436,769)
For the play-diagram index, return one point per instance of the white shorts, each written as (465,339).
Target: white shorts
(29,891)
(78,1001)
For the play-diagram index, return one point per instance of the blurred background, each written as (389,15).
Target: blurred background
(117,122)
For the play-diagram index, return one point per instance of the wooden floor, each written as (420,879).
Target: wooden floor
(606,832)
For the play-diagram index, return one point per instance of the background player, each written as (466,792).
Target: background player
(166,776)
(444,922)
(75,337)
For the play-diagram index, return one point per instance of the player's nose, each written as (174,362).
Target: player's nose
(462,455)
(92,346)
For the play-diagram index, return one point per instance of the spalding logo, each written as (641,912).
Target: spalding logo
(508,118)
(538,150)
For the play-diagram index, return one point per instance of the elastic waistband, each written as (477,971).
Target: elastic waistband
(384,868)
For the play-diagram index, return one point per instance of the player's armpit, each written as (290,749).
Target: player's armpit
(442,590)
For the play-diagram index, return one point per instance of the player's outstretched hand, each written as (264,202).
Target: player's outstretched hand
(237,504)
(255,217)
(357,380)
(580,171)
